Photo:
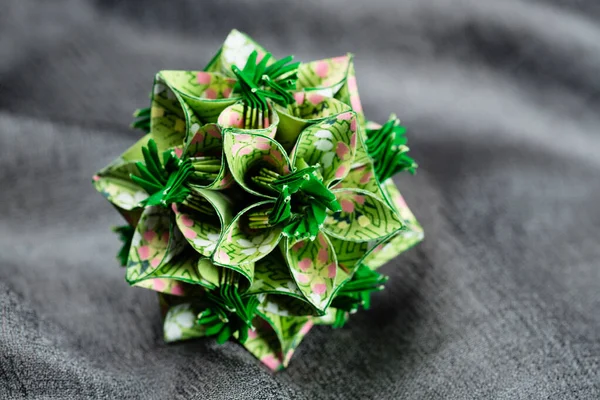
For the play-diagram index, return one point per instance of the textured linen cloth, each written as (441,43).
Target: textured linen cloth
(502,101)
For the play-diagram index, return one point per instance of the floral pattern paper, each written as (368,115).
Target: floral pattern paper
(259,201)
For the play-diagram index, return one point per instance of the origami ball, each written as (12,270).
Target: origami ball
(259,202)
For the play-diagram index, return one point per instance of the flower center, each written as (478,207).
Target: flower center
(166,181)
(227,312)
(387,147)
(301,205)
(258,82)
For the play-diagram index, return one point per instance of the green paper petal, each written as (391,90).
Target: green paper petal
(349,253)
(332,315)
(275,338)
(271,275)
(170,116)
(205,140)
(180,323)
(313,265)
(233,118)
(290,332)
(263,344)
(272,278)
(204,147)
(348,93)
(203,230)
(240,247)
(332,77)
(248,152)
(168,286)
(173,120)
(235,51)
(331,144)
(200,84)
(206,93)
(178,277)
(156,241)
(115,184)
(208,273)
(325,76)
(362,155)
(402,240)
(182,268)
(288,306)
(309,108)
(399,204)
(361,177)
(134,153)
(364,217)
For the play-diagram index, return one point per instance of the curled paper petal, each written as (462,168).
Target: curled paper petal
(134,153)
(288,306)
(399,204)
(240,247)
(180,323)
(314,267)
(204,140)
(115,183)
(155,242)
(170,116)
(276,337)
(333,77)
(181,268)
(243,119)
(248,153)
(325,77)
(353,286)
(177,277)
(349,253)
(309,108)
(362,155)
(348,93)
(202,218)
(208,273)
(363,217)
(331,144)
(403,239)
(206,93)
(168,286)
(272,276)
(235,51)
(290,332)
(361,177)
(204,147)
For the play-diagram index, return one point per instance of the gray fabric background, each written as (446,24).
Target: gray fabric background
(502,101)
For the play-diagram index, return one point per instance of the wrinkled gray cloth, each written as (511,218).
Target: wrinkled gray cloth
(502,102)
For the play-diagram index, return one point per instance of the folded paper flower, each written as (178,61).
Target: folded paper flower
(260,201)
